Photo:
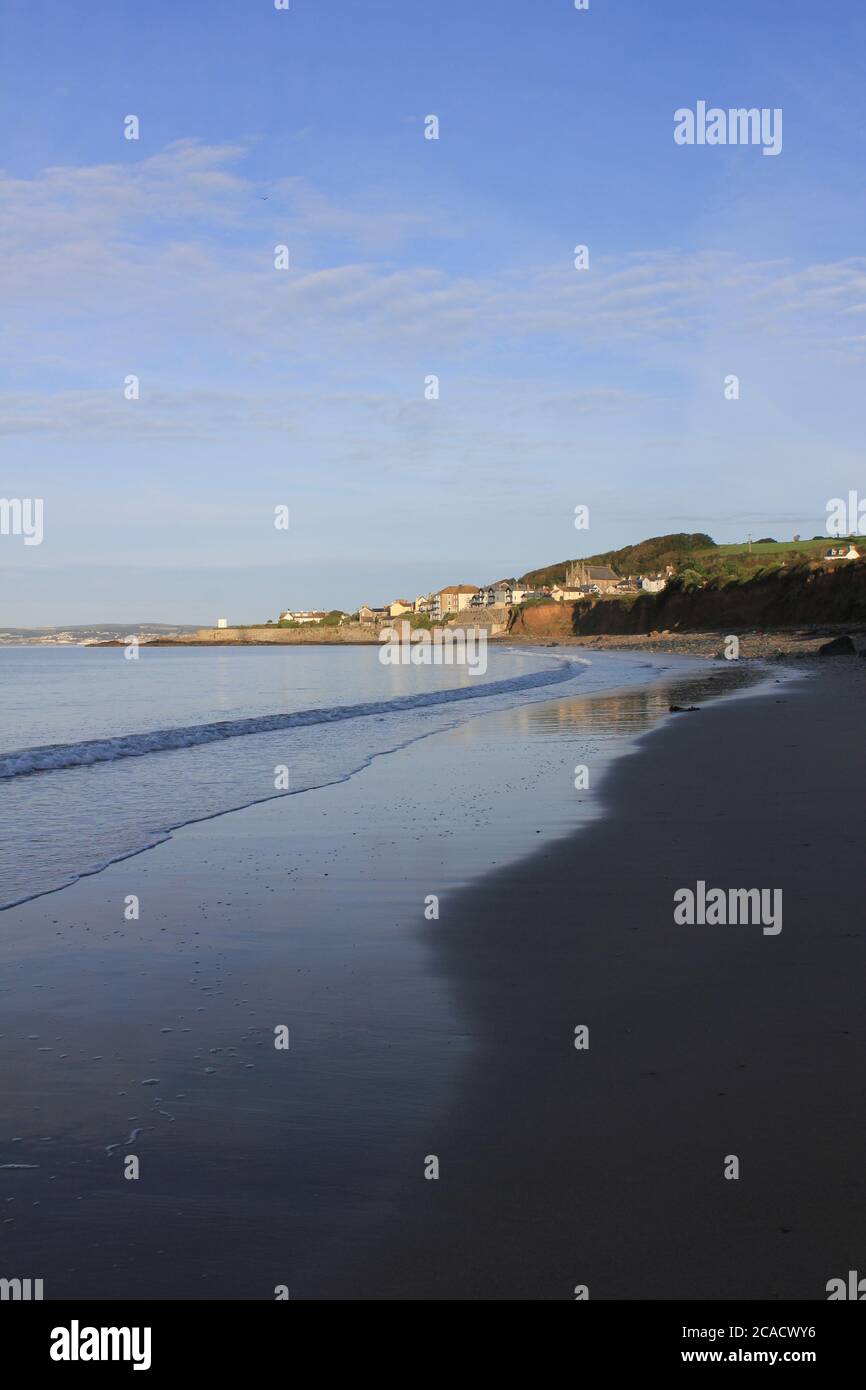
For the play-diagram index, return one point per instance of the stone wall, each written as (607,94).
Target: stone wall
(309,634)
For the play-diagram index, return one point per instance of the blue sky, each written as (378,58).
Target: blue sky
(411,257)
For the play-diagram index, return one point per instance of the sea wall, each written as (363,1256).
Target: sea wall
(289,636)
(494,621)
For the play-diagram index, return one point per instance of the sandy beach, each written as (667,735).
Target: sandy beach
(454,1037)
(605,1167)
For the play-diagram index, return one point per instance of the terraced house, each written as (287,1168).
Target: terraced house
(456,597)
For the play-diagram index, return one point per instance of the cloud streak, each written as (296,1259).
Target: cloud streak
(135,254)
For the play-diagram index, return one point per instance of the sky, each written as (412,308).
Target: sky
(410,258)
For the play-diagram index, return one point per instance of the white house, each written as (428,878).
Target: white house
(843,552)
(653,584)
(303,616)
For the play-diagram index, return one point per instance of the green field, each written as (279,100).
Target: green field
(696,561)
(809,546)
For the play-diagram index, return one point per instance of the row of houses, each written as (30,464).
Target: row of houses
(592,581)
(454,598)
(582,581)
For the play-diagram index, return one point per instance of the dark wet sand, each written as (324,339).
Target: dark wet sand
(605,1167)
(454,1037)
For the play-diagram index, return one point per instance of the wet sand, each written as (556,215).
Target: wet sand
(605,1167)
(454,1037)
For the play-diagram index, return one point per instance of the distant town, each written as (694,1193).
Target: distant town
(583,581)
(698,560)
(647,568)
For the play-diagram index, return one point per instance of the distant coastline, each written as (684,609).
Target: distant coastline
(759,644)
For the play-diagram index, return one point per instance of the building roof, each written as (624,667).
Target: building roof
(596,572)
(460,589)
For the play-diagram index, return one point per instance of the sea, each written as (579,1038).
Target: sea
(201,849)
(103,756)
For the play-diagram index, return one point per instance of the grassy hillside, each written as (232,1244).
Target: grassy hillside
(698,560)
(814,547)
(647,557)
(732,564)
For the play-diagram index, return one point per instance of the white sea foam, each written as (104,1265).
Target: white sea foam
(189,735)
(56,757)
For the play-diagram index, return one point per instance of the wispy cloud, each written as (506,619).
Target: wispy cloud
(181,242)
(107,415)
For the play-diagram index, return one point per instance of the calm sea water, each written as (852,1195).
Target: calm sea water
(101,756)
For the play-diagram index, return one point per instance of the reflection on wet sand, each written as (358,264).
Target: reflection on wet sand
(634,711)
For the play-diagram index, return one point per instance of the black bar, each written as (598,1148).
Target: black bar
(226,1338)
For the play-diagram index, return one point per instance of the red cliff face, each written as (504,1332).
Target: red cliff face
(544,620)
(785,598)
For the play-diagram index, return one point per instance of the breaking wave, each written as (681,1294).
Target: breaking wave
(54,757)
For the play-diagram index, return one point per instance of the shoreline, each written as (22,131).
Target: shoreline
(605,1167)
(454,1037)
(308,911)
(771,644)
